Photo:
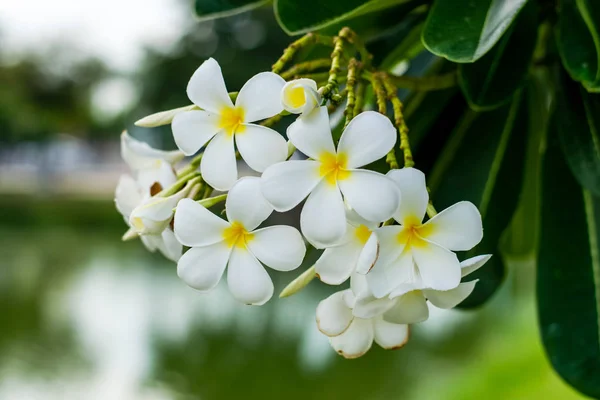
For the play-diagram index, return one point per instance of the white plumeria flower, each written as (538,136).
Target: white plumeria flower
(354,252)
(352,336)
(407,304)
(300,96)
(221,121)
(331,173)
(154,215)
(131,193)
(216,244)
(139,156)
(418,253)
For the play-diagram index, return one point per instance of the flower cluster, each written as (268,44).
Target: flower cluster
(368,225)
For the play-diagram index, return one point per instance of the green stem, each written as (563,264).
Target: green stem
(350,87)
(305,41)
(306,66)
(299,283)
(211,201)
(336,55)
(192,166)
(392,93)
(174,188)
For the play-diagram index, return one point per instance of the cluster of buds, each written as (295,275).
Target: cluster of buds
(380,231)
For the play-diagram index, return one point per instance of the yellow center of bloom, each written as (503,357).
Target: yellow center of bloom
(414,232)
(236,235)
(362,234)
(296,96)
(231,119)
(333,167)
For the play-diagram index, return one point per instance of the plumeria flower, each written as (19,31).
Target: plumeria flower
(220,121)
(139,156)
(237,244)
(332,173)
(352,336)
(300,96)
(407,304)
(337,263)
(421,254)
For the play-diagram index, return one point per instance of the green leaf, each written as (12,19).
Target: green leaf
(568,275)
(493,79)
(464,32)
(211,9)
(575,43)
(483,163)
(296,17)
(521,238)
(578,121)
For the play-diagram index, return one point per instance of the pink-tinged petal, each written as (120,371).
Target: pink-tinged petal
(218,165)
(279,247)
(260,147)
(286,184)
(412,186)
(193,129)
(333,314)
(368,137)
(202,267)
(248,281)
(356,340)
(207,88)
(457,228)
(323,218)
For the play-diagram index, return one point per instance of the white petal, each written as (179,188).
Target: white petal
(368,255)
(192,129)
(439,268)
(260,146)
(414,194)
(311,134)
(473,264)
(390,336)
(356,341)
(403,273)
(151,242)
(218,165)
(458,227)
(286,184)
(450,298)
(160,172)
(390,247)
(139,155)
(300,96)
(372,195)
(246,204)
(207,88)
(154,215)
(202,267)
(356,220)
(323,218)
(196,226)
(259,97)
(169,246)
(368,137)
(333,314)
(279,247)
(337,263)
(359,285)
(369,306)
(248,281)
(410,308)
(127,195)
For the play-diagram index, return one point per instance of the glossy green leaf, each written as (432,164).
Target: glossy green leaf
(578,122)
(211,9)
(483,163)
(521,238)
(575,43)
(296,17)
(568,275)
(464,32)
(493,79)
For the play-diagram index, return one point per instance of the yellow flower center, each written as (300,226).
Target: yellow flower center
(333,167)
(414,232)
(296,96)
(237,236)
(362,234)
(231,119)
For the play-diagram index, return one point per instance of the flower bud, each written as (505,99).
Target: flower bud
(300,96)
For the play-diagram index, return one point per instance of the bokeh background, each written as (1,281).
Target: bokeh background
(85,316)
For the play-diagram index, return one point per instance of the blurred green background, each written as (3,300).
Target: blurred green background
(85,316)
